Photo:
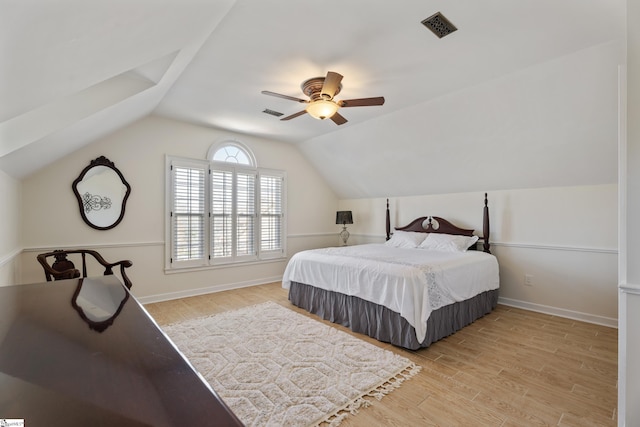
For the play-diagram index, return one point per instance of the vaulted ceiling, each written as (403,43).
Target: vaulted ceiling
(73,71)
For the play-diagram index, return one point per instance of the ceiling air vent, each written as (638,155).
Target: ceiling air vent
(273,113)
(439,25)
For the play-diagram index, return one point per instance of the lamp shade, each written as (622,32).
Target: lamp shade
(322,109)
(344,217)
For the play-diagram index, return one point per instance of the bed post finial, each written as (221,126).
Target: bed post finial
(485,223)
(388,222)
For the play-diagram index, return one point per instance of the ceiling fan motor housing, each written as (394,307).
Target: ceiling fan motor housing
(313,88)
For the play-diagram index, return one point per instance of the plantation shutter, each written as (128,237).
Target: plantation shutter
(271,214)
(246,214)
(188,214)
(221,214)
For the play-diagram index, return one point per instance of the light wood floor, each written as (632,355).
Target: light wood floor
(511,368)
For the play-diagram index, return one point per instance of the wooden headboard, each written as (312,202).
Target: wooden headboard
(443,226)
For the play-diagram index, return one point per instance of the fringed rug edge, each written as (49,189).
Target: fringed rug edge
(335,419)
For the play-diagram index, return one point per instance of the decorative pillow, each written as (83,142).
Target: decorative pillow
(406,239)
(448,242)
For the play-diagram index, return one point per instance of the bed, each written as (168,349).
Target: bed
(427,281)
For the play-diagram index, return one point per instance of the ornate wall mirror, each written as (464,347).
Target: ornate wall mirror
(102,193)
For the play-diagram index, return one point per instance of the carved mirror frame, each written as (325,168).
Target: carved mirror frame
(100,188)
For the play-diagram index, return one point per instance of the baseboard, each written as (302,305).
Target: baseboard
(561,312)
(554,311)
(208,290)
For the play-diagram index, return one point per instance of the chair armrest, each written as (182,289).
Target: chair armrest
(109,266)
(124,264)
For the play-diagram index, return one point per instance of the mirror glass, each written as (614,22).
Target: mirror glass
(98,303)
(102,192)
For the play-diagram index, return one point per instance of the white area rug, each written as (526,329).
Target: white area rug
(275,367)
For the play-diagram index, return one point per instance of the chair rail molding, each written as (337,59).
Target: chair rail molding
(629,288)
(6,259)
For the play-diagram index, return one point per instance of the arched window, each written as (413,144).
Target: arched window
(231,152)
(226,209)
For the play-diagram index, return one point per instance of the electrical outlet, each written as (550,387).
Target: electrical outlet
(528,280)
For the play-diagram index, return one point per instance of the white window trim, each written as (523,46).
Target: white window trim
(208,261)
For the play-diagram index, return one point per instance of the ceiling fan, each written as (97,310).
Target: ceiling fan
(321,105)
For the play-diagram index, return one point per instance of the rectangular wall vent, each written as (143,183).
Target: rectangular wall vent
(439,25)
(273,113)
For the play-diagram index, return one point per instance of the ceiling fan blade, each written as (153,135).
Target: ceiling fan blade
(331,84)
(279,95)
(338,119)
(293,116)
(362,102)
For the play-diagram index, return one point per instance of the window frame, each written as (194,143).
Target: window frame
(209,261)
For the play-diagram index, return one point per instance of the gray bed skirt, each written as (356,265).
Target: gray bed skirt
(385,325)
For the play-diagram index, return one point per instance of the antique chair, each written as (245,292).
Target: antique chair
(63,268)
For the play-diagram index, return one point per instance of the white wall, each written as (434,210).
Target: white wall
(552,124)
(10,246)
(52,218)
(565,237)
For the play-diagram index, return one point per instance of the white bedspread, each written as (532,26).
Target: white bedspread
(411,282)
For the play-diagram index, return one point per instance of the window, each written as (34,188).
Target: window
(272,213)
(231,154)
(188,213)
(224,211)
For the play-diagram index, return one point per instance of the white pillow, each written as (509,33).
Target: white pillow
(447,242)
(406,239)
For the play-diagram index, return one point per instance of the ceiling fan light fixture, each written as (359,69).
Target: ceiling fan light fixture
(321,105)
(322,109)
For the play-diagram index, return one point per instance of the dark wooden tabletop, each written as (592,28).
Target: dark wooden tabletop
(84,352)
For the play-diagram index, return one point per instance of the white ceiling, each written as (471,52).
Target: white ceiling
(380,48)
(73,71)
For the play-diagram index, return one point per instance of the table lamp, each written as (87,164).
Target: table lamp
(344,218)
